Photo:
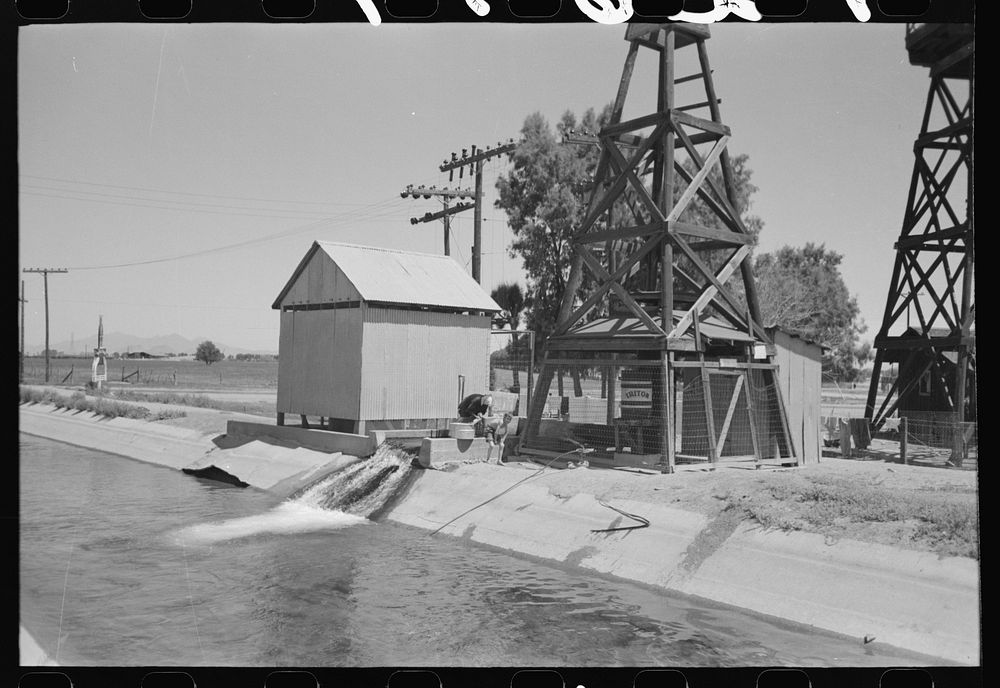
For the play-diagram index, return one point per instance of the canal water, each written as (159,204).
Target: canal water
(124,563)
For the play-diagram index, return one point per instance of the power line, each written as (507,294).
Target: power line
(185,193)
(218,249)
(158,204)
(97,196)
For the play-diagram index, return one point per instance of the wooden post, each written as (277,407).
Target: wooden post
(281,418)
(845,438)
(612,376)
(670,451)
(447,229)
(305,421)
(709,415)
(45,277)
(903,430)
(757,450)
(477,229)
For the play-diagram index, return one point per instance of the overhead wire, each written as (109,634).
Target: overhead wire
(329,223)
(184,193)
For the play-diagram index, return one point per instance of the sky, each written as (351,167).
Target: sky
(181,171)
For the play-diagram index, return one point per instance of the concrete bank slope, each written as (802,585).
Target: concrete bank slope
(30,653)
(912,600)
(278,466)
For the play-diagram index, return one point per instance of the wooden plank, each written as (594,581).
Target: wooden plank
(713,456)
(729,416)
(783,414)
(625,175)
(657,119)
(599,292)
(911,343)
(627,168)
(751,412)
(695,106)
(680,344)
(721,205)
(729,300)
(622,293)
(699,123)
(718,284)
(620,343)
(671,411)
(709,293)
(597,362)
(622,234)
(949,131)
(698,179)
(722,236)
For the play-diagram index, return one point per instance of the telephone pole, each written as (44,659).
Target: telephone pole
(20,365)
(445,195)
(474,164)
(45,274)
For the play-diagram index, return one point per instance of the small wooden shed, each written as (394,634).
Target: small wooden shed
(800,377)
(374,338)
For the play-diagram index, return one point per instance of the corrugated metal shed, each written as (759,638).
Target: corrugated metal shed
(381,275)
(376,338)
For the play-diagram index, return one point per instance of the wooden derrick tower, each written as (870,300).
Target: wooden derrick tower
(667,359)
(928,328)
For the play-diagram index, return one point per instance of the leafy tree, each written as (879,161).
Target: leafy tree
(510,298)
(208,352)
(802,290)
(545,202)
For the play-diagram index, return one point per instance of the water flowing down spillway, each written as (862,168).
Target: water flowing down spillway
(363,488)
(346,498)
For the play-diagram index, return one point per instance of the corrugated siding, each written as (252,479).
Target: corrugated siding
(321,281)
(319,362)
(411,361)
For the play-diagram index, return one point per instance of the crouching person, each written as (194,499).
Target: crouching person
(496,429)
(475,408)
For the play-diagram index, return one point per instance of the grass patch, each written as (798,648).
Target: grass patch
(260,408)
(196,400)
(947,522)
(102,406)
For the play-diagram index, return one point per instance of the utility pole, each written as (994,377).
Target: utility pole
(446,195)
(474,163)
(20,367)
(45,274)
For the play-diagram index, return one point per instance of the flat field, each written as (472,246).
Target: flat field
(160,373)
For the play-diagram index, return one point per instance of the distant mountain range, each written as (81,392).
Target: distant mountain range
(160,345)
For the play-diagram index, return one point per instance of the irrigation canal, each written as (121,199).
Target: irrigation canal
(124,563)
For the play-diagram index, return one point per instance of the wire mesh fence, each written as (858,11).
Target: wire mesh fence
(620,413)
(938,440)
(511,358)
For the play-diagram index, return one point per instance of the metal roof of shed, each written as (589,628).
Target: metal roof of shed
(383,275)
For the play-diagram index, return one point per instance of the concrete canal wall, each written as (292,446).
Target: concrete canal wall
(912,600)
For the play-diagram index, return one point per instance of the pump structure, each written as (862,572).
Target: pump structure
(650,311)
(933,275)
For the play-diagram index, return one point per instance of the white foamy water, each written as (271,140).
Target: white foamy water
(288,517)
